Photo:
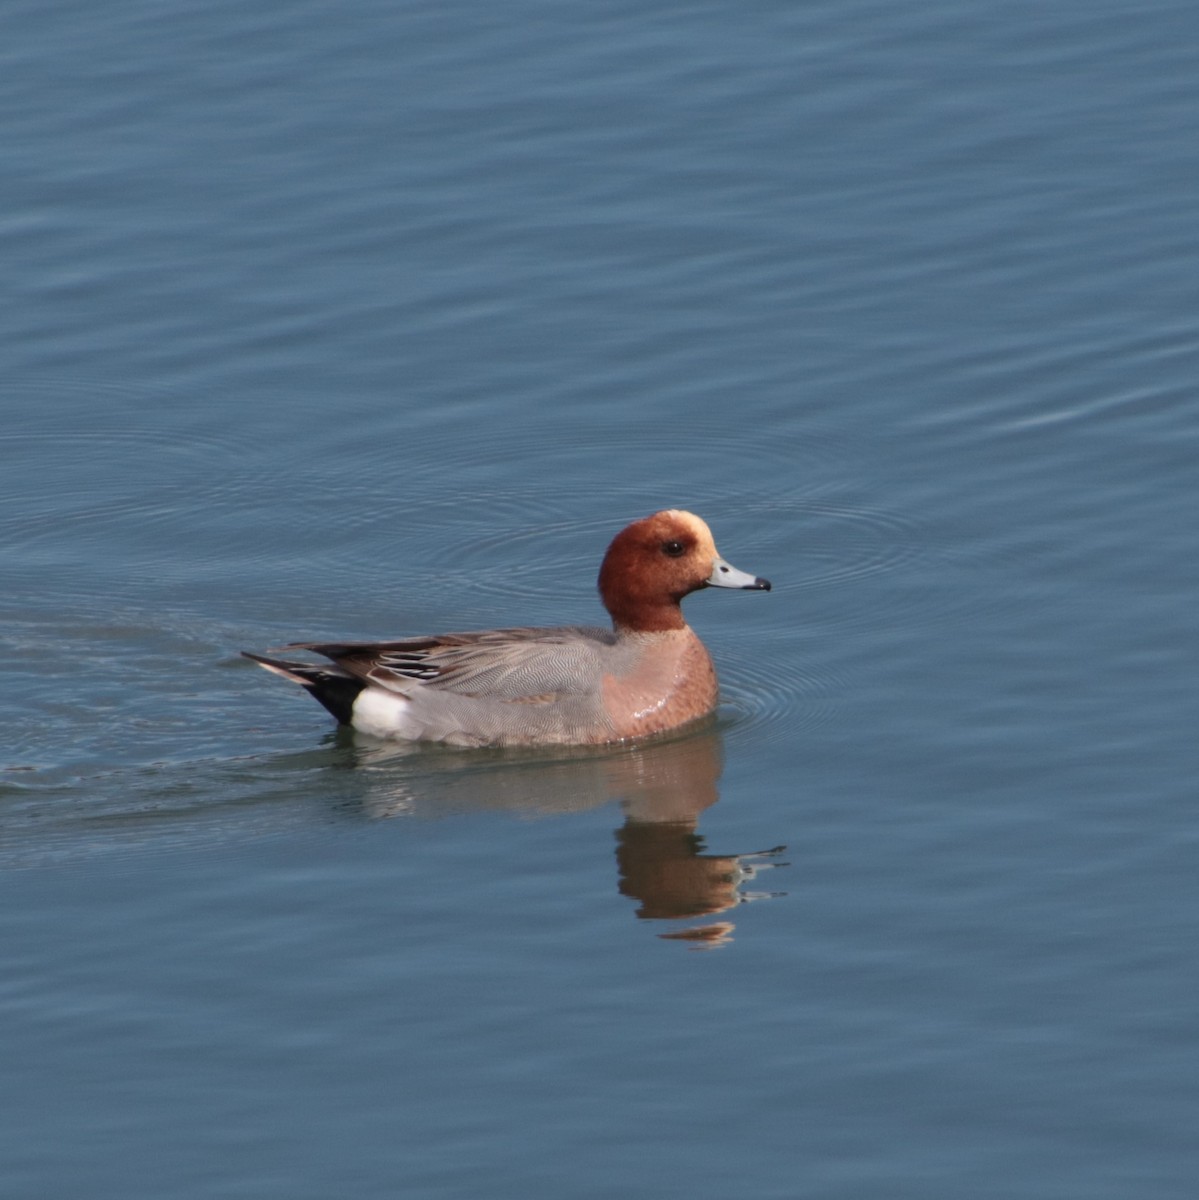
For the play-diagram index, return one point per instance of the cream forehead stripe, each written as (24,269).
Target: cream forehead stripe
(695,525)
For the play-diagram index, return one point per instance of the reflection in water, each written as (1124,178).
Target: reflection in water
(661,865)
(662,787)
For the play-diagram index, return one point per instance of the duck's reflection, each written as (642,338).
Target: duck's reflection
(662,788)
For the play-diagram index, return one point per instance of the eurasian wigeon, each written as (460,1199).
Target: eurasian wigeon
(568,685)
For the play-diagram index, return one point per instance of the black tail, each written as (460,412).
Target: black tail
(336,690)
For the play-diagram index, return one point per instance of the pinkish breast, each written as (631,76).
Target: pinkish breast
(670,682)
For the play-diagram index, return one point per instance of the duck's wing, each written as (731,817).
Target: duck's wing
(512,665)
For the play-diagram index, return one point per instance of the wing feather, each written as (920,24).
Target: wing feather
(518,665)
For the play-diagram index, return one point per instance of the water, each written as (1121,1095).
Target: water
(374,321)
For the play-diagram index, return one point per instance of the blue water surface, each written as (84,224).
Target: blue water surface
(371,320)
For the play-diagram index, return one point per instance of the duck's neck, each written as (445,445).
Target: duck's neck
(647,618)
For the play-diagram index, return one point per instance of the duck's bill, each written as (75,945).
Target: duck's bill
(727,576)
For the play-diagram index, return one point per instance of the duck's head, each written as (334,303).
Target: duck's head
(653,563)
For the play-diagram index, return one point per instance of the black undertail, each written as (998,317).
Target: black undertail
(337,694)
(335,690)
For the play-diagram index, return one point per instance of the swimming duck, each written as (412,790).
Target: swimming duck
(564,685)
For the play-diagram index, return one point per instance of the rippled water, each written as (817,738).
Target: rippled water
(375,322)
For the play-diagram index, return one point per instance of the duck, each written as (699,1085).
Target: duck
(570,685)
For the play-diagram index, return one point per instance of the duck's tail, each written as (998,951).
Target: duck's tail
(334,688)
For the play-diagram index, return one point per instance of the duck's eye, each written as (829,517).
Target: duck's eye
(674,549)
